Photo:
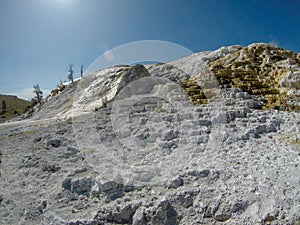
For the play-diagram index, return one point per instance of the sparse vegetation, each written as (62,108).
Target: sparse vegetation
(12,106)
(59,88)
(38,93)
(4,107)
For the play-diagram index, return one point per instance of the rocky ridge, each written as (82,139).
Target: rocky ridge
(258,69)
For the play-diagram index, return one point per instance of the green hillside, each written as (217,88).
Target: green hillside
(14,106)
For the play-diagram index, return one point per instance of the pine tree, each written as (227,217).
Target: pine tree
(38,93)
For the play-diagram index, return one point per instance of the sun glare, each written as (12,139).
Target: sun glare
(62,1)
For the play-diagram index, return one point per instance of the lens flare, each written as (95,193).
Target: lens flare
(109,55)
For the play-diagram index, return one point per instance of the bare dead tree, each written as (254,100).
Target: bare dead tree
(70,75)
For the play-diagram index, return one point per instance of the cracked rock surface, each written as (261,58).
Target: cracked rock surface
(150,156)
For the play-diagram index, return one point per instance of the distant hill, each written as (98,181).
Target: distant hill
(14,106)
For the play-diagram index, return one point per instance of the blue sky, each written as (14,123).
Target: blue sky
(40,38)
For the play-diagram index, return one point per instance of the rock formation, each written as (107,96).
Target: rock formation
(209,139)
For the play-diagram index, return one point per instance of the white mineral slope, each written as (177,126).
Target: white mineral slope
(88,93)
(150,156)
(191,66)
